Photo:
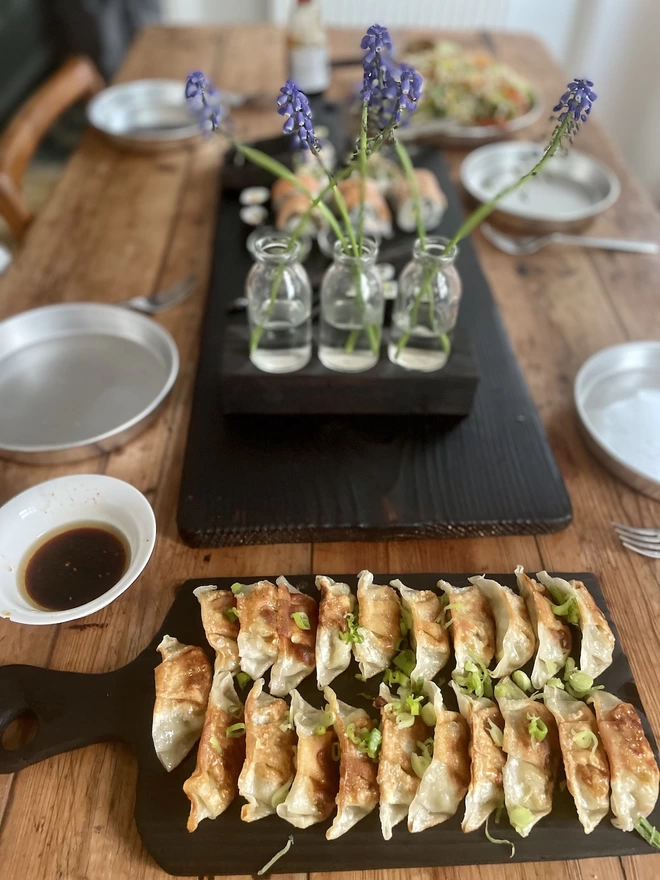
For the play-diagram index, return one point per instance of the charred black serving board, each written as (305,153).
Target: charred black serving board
(251,479)
(75,710)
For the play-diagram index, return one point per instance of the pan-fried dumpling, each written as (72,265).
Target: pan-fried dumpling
(585,761)
(472,625)
(633,770)
(333,646)
(311,798)
(269,754)
(514,637)
(214,784)
(531,765)
(183,682)
(446,779)
(379,612)
(486,790)
(597,637)
(358,785)
(220,623)
(397,780)
(553,637)
(296,633)
(428,636)
(257,638)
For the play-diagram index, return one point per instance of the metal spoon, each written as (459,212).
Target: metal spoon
(163,299)
(530,244)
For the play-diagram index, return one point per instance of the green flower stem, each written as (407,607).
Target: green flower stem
(485,210)
(362,159)
(409,171)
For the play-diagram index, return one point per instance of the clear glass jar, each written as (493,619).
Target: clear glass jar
(279,305)
(352,310)
(426,308)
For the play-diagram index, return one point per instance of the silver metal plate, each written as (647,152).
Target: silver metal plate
(617,395)
(79,379)
(571,190)
(446,131)
(144,115)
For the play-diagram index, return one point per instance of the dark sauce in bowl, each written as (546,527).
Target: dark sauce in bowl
(71,567)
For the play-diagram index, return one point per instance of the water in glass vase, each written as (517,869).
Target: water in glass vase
(420,347)
(285,341)
(345,345)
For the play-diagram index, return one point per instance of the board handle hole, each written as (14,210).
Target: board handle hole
(20,731)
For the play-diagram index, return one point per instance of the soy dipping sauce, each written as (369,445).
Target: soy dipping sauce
(72,567)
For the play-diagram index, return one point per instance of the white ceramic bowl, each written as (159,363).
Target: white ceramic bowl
(52,505)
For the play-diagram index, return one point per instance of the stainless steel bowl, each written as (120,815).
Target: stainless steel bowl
(79,379)
(145,115)
(617,396)
(571,190)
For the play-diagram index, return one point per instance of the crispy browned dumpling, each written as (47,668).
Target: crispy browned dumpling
(333,654)
(427,635)
(472,627)
(257,637)
(380,624)
(220,625)
(269,754)
(397,781)
(296,645)
(183,682)
(585,761)
(358,784)
(515,640)
(311,798)
(486,790)
(633,769)
(553,637)
(214,784)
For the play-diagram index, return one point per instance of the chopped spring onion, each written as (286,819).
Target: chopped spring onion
(365,695)
(413,704)
(556,682)
(328,718)
(320,730)
(359,676)
(537,695)
(373,743)
(301,620)
(586,739)
(406,622)
(475,679)
(419,763)
(235,709)
(520,817)
(568,610)
(569,668)
(498,813)
(336,751)
(232,614)
(507,690)
(428,714)
(650,834)
(236,588)
(353,632)
(405,661)
(236,730)
(395,676)
(280,795)
(286,725)
(242,679)
(495,733)
(404,719)
(367,741)
(537,729)
(492,839)
(278,855)
(399,644)
(426,747)
(552,668)
(215,744)
(522,680)
(580,685)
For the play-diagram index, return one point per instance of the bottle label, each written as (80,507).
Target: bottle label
(310,68)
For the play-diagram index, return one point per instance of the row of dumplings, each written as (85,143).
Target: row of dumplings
(302,762)
(258,626)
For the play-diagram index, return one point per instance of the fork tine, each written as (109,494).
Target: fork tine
(636,531)
(644,543)
(652,554)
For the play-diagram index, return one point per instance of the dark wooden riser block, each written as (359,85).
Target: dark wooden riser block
(384,390)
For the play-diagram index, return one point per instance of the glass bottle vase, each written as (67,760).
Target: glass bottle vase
(279,305)
(426,308)
(352,310)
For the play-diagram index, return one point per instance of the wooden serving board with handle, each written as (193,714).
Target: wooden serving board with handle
(75,710)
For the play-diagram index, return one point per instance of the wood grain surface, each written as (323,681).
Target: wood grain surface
(119,225)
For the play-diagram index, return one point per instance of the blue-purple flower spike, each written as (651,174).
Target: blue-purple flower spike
(204,101)
(293,104)
(576,103)
(376,40)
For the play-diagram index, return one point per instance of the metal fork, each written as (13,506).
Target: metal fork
(643,541)
(162,299)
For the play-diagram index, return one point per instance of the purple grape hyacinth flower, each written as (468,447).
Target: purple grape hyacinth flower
(293,104)
(376,40)
(576,103)
(204,102)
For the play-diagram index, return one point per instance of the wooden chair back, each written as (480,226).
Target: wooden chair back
(76,79)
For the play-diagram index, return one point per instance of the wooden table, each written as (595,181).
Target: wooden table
(120,225)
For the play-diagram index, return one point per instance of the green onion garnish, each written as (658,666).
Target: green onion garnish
(405,661)
(235,709)
(236,588)
(359,677)
(395,676)
(285,849)
(319,730)
(568,610)
(650,834)
(586,739)
(406,622)
(301,620)
(520,817)
(556,682)
(214,742)
(353,632)
(280,795)
(492,839)
(367,741)
(475,679)
(495,733)
(404,719)
(428,714)
(413,704)
(242,679)
(419,763)
(538,729)
(236,730)
(522,680)
(374,741)
(232,614)
(328,718)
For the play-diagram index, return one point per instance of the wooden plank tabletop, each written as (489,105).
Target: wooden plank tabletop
(120,225)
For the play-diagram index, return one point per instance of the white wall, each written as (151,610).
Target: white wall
(214,11)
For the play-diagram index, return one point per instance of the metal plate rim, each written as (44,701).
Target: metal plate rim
(133,422)
(476,133)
